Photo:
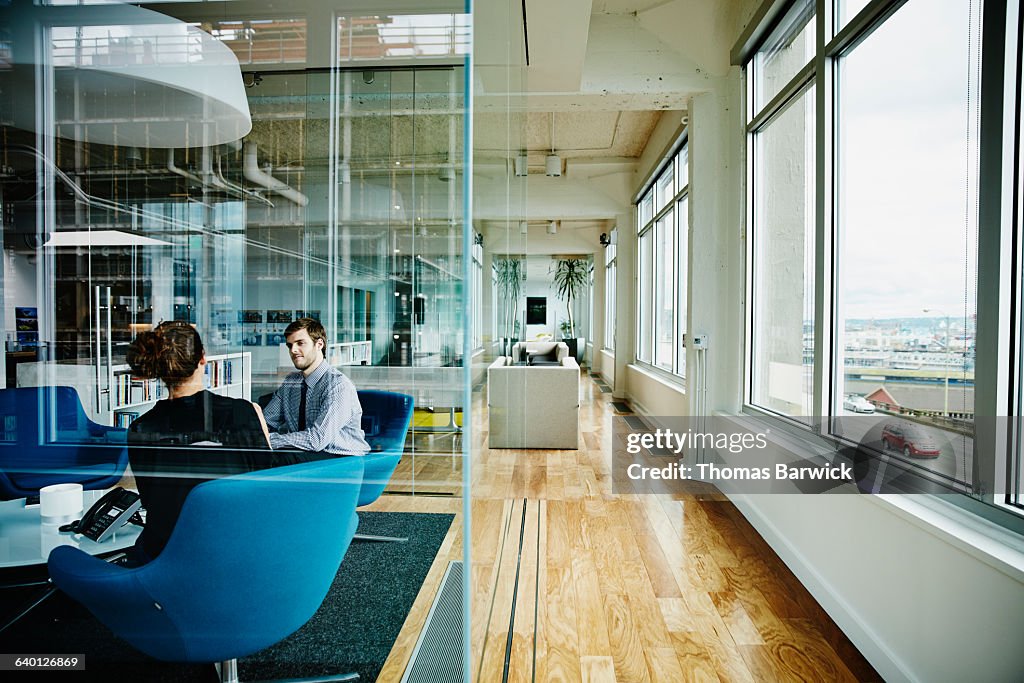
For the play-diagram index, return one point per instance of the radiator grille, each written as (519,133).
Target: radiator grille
(437,657)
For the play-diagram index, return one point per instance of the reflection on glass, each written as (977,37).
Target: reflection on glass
(347,209)
(787,50)
(403,36)
(262,41)
(908,237)
(783,270)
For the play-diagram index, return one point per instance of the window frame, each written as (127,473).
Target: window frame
(611,265)
(675,165)
(999,370)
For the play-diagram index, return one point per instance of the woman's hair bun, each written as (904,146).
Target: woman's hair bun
(144,354)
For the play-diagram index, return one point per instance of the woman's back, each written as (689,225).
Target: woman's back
(184,441)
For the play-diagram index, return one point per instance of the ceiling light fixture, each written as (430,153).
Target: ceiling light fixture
(520,165)
(553,162)
(553,228)
(446,172)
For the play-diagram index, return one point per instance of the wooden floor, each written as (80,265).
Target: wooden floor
(571,582)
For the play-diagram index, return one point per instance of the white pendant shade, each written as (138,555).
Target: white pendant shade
(144,79)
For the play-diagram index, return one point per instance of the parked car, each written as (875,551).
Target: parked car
(909,438)
(858,404)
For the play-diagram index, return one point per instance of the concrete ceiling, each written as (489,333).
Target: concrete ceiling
(604,69)
(606,135)
(604,73)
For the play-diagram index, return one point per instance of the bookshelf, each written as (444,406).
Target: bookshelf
(228,374)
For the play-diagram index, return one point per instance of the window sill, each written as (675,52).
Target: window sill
(993,545)
(989,543)
(668,379)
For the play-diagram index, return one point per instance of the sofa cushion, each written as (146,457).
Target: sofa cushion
(550,358)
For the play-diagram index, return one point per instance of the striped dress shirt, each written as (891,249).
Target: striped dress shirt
(333,414)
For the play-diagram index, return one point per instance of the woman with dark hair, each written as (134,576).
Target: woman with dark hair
(191,436)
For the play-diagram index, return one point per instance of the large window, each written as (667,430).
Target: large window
(871,286)
(783,259)
(661,272)
(610,297)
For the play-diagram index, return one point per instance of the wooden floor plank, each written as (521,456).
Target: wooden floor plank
(614,586)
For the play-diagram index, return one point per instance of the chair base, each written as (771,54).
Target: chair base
(229,674)
(379,539)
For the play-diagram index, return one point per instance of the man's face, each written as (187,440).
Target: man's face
(304,352)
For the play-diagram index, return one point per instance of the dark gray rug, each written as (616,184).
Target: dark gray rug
(353,631)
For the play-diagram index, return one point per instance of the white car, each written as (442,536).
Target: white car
(858,404)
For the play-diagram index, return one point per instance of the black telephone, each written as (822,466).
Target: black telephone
(108,515)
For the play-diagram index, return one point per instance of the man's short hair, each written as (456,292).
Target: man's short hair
(311,326)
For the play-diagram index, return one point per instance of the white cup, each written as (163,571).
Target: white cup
(60,503)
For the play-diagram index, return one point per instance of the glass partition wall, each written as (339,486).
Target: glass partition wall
(159,168)
(342,202)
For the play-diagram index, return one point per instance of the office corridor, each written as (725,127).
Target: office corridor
(601,587)
(596,586)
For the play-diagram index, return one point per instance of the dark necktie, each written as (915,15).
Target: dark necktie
(302,407)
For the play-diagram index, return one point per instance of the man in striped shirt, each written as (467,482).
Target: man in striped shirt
(316,409)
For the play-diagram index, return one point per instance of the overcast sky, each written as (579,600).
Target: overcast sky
(906,245)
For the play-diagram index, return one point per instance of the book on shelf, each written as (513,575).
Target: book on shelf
(219,373)
(124,418)
(130,390)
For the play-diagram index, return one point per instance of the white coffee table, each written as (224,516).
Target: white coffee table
(25,541)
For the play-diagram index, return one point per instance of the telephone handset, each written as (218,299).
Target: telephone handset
(108,515)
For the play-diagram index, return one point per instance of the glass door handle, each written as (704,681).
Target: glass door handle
(103,389)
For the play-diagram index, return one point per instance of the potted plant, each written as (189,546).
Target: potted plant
(570,277)
(508,275)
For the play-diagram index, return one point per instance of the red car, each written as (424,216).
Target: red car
(910,439)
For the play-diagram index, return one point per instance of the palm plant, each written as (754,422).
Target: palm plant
(508,275)
(570,277)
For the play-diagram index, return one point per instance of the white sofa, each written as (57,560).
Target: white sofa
(540,348)
(533,407)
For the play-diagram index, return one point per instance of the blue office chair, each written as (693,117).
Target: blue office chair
(249,562)
(46,438)
(386,419)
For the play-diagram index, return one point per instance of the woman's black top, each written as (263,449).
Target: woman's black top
(182,442)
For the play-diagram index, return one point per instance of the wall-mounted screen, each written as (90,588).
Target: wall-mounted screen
(536,310)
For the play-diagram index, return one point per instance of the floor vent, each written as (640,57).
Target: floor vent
(635,422)
(621,407)
(437,657)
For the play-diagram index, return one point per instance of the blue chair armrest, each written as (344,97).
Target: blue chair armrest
(378,468)
(119,598)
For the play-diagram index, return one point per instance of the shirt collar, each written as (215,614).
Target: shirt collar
(315,376)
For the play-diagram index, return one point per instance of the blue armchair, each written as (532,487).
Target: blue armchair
(386,419)
(249,562)
(46,438)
